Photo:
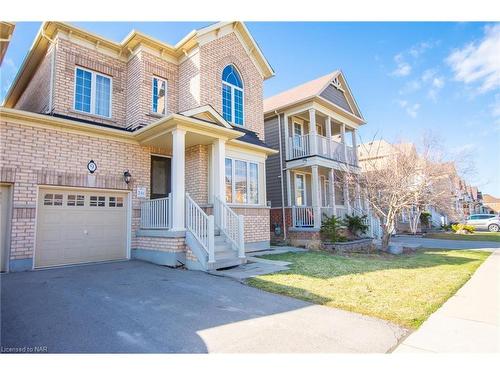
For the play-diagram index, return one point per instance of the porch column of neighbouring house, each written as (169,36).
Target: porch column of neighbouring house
(288,188)
(313,139)
(347,199)
(178,176)
(219,156)
(328,128)
(316,197)
(344,145)
(354,135)
(287,140)
(331,177)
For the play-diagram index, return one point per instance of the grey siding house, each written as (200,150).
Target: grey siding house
(314,126)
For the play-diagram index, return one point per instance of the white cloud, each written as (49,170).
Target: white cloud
(410,87)
(402,67)
(411,109)
(479,62)
(419,48)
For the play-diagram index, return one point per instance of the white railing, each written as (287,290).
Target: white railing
(230,224)
(299,146)
(326,211)
(156,213)
(341,212)
(201,226)
(302,146)
(303,216)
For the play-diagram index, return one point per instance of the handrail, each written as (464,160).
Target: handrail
(201,226)
(302,145)
(156,213)
(230,224)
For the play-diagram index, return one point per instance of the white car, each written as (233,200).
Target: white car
(488,222)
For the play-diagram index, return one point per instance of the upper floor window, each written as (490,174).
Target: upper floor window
(232,96)
(159,96)
(92,92)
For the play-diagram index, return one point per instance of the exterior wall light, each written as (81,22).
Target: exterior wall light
(127,177)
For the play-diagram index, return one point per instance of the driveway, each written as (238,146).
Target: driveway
(445,244)
(140,307)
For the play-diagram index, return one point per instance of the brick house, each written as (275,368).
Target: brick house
(137,149)
(314,125)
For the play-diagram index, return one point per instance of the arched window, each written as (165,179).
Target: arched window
(232,96)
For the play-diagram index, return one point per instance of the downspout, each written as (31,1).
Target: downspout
(52,71)
(281,179)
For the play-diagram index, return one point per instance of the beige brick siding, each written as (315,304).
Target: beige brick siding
(214,57)
(256,223)
(170,245)
(35,97)
(141,70)
(189,82)
(197,173)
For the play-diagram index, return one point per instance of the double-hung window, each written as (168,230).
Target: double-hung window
(232,96)
(159,96)
(92,92)
(242,181)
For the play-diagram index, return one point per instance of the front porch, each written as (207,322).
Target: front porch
(183,217)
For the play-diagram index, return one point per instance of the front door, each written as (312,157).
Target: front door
(161,184)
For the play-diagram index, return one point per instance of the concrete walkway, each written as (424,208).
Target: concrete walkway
(469,322)
(444,244)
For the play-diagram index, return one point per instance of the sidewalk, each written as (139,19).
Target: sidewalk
(469,322)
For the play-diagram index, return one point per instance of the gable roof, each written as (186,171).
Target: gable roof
(207,113)
(125,48)
(312,89)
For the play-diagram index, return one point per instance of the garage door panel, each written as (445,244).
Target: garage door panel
(88,229)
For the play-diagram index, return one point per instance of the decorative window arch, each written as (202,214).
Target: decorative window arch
(232,96)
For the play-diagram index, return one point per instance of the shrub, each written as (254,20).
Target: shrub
(446,227)
(425,219)
(356,224)
(462,228)
(330,228)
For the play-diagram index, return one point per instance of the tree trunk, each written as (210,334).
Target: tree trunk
(386,237)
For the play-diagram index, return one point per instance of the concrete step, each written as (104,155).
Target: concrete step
(225,263)
(226,254)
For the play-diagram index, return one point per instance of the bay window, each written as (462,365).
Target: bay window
(92,92)
(242,181)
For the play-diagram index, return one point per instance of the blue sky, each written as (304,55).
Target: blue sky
(407,77)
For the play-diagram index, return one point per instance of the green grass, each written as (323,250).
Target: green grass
(476,236)
(403,289)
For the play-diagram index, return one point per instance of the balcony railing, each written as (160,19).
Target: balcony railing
(303,146)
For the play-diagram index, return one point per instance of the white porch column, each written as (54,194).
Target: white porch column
(347,199)
(328,128)
(287,140)
(331,177)
(316,198)
(344,145)
(288,188)
(355,146)
(313,139)
(178,178)
(219,146)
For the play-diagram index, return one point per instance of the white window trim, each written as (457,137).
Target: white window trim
(233,102)
(166,95)
(233,181)
(295,188)
(93,93)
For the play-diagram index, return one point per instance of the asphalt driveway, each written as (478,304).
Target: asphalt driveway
(139,307)
(445,244)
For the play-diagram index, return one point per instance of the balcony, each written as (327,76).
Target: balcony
(318,145)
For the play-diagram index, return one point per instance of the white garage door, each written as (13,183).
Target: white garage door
(76,226)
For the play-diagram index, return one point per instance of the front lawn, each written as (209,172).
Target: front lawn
(476,236)
(404,289)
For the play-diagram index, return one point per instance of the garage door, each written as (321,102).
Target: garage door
(80,226)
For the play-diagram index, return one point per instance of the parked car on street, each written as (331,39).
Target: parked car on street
(488,222)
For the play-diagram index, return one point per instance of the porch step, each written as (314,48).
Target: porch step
(226,263)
